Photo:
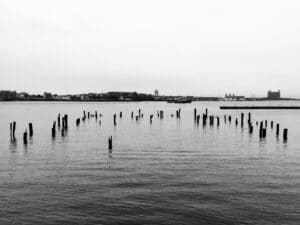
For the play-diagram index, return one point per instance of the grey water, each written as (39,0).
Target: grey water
(168,172)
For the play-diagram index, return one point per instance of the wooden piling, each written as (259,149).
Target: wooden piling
(25,140)
(78,122)
(115,122)
(58,120)
(110,143)
(30,130)
(121,114)
(277,129)
(195,114)
(285,134)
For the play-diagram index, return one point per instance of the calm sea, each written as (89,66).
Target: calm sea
(167,172)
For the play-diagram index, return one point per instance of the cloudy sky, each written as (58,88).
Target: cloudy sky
(201,48)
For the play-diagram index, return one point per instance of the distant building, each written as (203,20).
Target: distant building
(47,96)
(274,95)
(233,97)
(22,96)
(156,93)
(8,95)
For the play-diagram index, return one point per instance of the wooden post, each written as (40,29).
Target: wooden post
(121,115)
(218,121)
(266,123)
(14,129)
(115,122)
(58,120)
(110,143)
(77,122)
(161,113)
(25,141)
(236,121)
(277,129)
(249,119)
(139,112)
(88,115)
(195,114)
(53,131)
(225,119)
(131,115)
(96,115)
(229,118)
(250,128)
(10,131)
(272,124)
(285,134)
(206,112)
(30,130)
(66,121)
(242,119)
(151,117)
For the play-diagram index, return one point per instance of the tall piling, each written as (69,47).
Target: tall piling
(30,130)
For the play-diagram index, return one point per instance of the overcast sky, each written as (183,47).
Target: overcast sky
(203,48)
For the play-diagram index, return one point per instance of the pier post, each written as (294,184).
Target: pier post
(14,129)
(110,143)
(53,131)
(285,134)
(195,114)
(277,129)
(25,141)
(58,120)
(131,115)
(77,122)
(272,124)
(242,119)
(30,130)
(121,114)
(115,122)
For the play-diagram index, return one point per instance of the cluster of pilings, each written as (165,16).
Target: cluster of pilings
(62,123)
(12,128)
(262,127)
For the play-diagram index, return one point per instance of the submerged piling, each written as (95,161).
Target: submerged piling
(30,130)
(285,134)
(25,140)
(110,143)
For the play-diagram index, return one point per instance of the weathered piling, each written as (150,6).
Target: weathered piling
(121,114)
(218,121)
(96,115)
(53,130)
(78,122)
(236,121)
(30,130)
(66,122)
(285,134)
(272,124)
(25,140)
(151,117)
(115,117)
(195,114)
(242,119)
(58,120)
(204,118)
(14,129)
(211,120)
(136,118)
(249,118)
(84,116)
(277,129)
(250,128)
(139,112)
(206,112)
(10,131)
(225,119)
(161,114)
(266,123)
(110,143)
(198,119)
(229,118)
(131,115)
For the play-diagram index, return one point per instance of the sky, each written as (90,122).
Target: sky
(200,48)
